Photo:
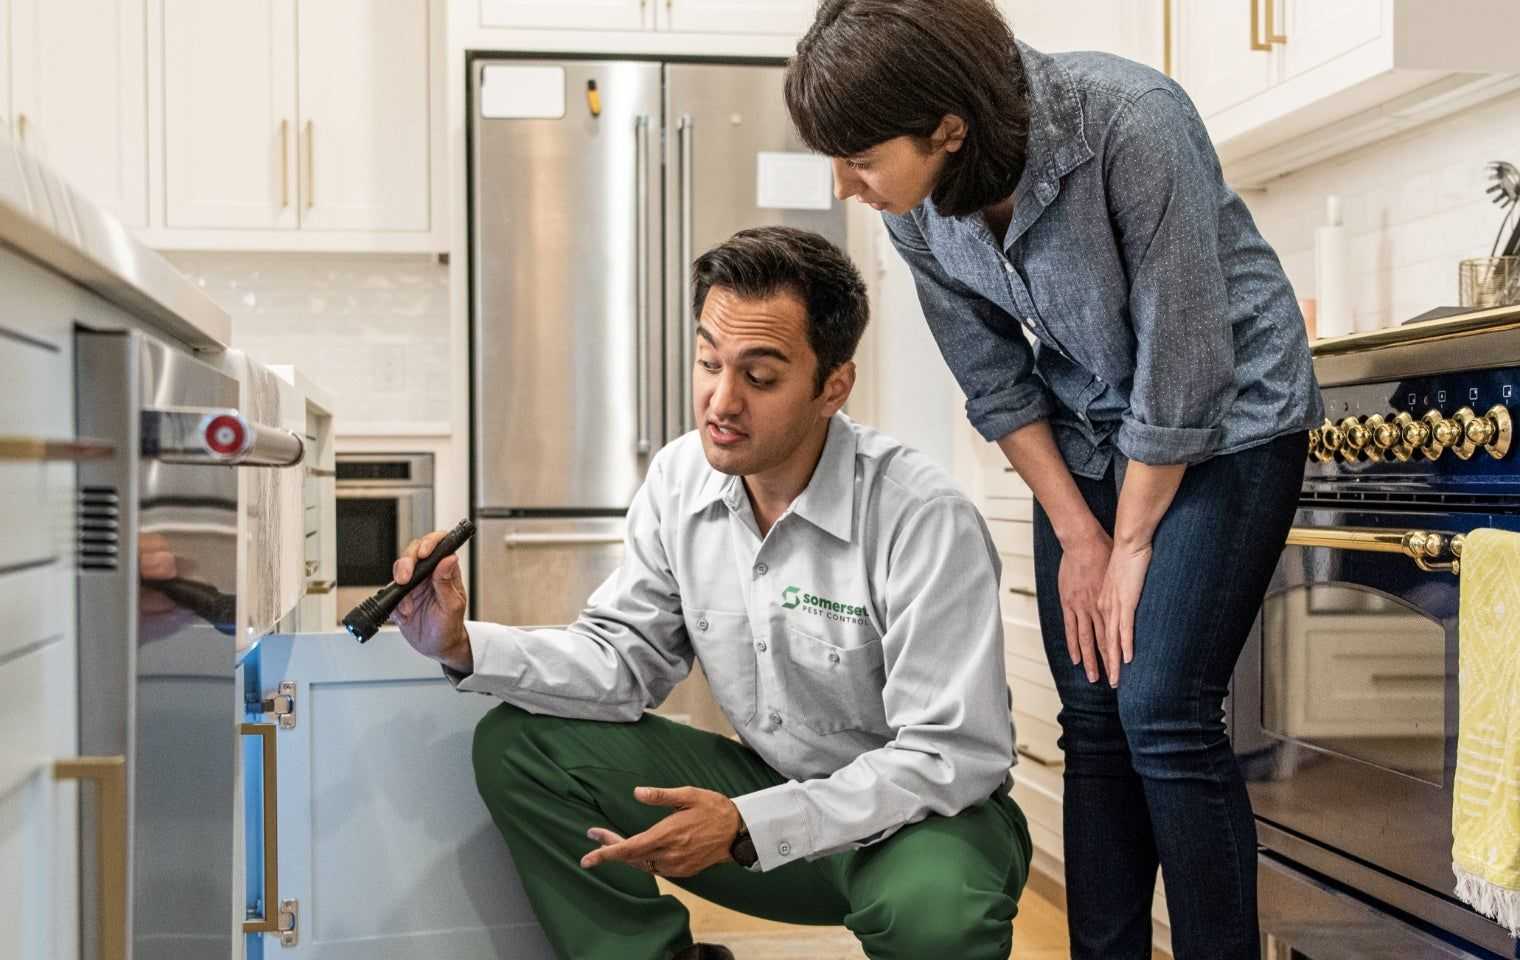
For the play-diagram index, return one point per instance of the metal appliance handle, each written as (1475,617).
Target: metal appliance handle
(278,917)
(1422,546)
(559,539)
(221,437)
(684,320)
(110,776)
(641,284)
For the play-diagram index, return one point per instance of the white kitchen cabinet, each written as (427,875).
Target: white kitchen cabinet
(364,107)
(789,17)
(1126,28)
(301,125)
(568,14)
(230,118)
(79,91)
(1216,61)
(379,747)
(1334,76)
(5,69)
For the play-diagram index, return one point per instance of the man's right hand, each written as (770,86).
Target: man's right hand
(431,617)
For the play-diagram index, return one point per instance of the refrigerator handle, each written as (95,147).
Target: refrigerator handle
(684,320)
(641,285)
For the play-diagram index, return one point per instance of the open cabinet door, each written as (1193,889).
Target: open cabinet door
(385,850)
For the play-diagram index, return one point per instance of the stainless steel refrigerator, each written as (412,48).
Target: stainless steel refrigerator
(594,185)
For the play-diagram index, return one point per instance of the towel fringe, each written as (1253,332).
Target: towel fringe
(1493,901)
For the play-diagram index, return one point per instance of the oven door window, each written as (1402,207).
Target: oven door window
(1351,670)
(367,532)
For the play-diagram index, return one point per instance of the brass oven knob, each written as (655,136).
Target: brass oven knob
(1314,444)
(1402,449)
(1354,437)
(1380,437)
(1492,432)
(1441,433)
(1416,433)
(1329,441)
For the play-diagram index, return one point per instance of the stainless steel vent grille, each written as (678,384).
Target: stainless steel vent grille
(99,528)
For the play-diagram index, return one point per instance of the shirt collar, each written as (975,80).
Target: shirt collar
(827,502)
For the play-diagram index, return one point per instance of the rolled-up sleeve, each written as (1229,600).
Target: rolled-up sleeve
(626,652)
(1164,196)
(983,346)
(946,698)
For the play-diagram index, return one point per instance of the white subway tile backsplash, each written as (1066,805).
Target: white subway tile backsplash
(1414,206)
(371,329)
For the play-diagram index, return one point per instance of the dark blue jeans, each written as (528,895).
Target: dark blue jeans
(1150,776)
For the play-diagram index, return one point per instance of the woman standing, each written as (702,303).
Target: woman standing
(1161,418)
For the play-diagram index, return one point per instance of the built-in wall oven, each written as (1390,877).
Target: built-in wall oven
(1344,707)
(384,502)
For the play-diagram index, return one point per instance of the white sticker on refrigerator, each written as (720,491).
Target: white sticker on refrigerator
(510,92)
(794,181)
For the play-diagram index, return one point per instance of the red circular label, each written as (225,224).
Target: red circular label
(225,435)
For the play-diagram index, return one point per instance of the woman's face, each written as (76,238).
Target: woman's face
(898,174)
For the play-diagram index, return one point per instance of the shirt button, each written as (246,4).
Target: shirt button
(762,569)
(833,657)
(760,645)
(784,848)
(1007,266)
(775,719)
(702,624)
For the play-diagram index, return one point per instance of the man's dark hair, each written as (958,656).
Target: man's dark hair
(871,70)
(764,261)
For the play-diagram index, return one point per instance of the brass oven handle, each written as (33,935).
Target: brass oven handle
(1422,546)
(110,776)
(270,921)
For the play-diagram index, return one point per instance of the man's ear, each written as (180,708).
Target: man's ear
(837,388)
(950,134)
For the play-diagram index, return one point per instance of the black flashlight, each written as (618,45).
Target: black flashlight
(365,620)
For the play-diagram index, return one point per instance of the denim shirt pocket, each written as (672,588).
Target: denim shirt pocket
(726,651)
(832,689)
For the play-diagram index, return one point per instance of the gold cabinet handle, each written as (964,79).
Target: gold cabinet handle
(1024,751)
(21,128)
(284,164)
(311,167)
(277,918)
(39,449)
(1272,35)
(1256,42)
(110,776)
(1422,546)
(1167,28)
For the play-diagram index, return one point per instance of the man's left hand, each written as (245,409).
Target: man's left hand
(697,836)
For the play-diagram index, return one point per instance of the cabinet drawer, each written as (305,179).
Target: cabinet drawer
(1017,596)
(1006,483)
(1039,806)
(1013,537)
(36,605)
(1038,739)
(1023,640)
(1004,508)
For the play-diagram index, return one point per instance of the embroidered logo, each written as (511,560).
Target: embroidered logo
(794,597)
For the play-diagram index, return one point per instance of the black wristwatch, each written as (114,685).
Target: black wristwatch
(743,848)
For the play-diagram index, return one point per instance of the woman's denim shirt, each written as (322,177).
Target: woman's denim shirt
(1164,325)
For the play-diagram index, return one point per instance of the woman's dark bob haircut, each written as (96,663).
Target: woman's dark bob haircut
(872,70)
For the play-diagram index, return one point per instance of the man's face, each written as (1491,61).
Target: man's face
(754,385)
(898,174)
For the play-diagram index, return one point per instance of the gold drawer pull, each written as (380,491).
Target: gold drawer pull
(110,776)
(279,917)
(41,449)
(1423,547)
(320,587)
(1024,751)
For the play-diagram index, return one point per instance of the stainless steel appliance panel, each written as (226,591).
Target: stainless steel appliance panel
(717,120)
(539,572)
(1303,918)
(565,257)
(157,644)
(384,502)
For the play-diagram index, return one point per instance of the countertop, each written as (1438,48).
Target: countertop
(48,221)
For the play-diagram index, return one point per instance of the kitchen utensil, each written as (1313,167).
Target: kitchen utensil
(1489,281)
(1503,191)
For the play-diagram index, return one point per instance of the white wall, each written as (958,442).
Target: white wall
(1414,206)
(372,330)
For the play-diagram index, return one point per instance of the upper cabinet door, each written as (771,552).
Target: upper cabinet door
(783,17)
(230,121)
(568,14)
(85,112)
(1215,58)
(1314,32)
(5,74)
(365,120)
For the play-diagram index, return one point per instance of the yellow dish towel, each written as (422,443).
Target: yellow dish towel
(1486,809)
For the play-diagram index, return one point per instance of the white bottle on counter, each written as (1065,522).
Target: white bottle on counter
(1336,311)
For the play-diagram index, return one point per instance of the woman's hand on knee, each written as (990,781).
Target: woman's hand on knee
(1084,566)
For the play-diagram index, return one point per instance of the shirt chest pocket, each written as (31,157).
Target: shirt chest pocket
(722,644)
(831,689)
